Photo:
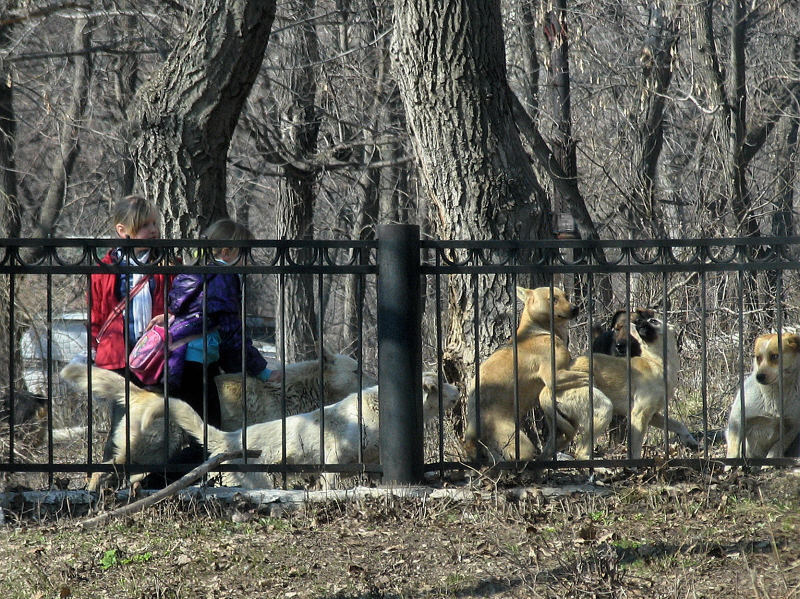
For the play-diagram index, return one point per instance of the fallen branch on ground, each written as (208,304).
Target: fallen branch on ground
(169,490)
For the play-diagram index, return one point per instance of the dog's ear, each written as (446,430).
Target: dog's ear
(613,322)
(792,342)
(522,294)
(327,356)
(761,339)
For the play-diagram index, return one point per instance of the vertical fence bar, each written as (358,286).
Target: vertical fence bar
(476,350)
(165,378)
(89,362)
(590,327)
(400,353)
(282,351)
(704,361)
(321,381)
(49,278)
(740,347)
(437,315)
(360,288)
(244,254)
(665,353)
(12,327)
(628,383)
(515,356)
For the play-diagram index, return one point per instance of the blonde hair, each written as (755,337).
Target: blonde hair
(229,230)
(133,212)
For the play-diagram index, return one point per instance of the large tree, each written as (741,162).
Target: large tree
(451,71)
(185,114)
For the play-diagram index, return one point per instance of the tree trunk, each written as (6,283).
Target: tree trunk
(530,57)
(185,114)
(656,59)
(450,67)
(10,214)
(63,163)
(563,145)
(297,193)
(735,170)
(10,217)
(126,77)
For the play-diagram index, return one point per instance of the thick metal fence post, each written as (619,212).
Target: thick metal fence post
(400,353)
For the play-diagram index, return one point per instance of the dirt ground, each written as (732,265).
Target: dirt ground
(666,533)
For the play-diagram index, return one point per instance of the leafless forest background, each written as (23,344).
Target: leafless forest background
(638,119)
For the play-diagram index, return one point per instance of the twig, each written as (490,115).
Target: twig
(169,490)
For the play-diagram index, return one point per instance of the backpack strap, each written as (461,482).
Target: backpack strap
(117,310)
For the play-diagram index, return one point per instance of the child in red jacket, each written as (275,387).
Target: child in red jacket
(134,217)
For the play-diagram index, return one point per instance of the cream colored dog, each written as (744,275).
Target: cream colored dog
(760,425)
(146,437)
(264,399)
(340,378)
(648,389)
(303,432)
(538,341)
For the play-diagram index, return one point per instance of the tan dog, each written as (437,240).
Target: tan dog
(761,423)
(648,389)
(629,332)
(537,340)
(342,431)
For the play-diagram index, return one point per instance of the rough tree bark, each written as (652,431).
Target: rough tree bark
(184,116)
(10,213)
(64,161)
(656,59)
(126,77)
(10,219)
(451,72)
(563,145)
(297,192)
(731,110)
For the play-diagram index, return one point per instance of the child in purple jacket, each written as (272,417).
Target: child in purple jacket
(224,332)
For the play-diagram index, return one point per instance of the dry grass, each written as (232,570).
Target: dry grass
(669,533)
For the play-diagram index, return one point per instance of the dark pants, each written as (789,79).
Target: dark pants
(191,390)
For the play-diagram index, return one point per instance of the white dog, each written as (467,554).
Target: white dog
(264,399)
(302,432)
(760,425)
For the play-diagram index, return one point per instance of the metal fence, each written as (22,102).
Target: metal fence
(718,293)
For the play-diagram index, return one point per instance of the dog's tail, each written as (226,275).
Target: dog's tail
(106,385)
(110,386)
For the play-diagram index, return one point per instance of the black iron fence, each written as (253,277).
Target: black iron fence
(417,304)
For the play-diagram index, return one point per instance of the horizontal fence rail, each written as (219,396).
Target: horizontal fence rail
(427,305)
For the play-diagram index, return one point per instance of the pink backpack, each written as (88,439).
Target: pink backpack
(147,356)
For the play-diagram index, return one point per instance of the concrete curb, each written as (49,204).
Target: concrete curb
(79,502)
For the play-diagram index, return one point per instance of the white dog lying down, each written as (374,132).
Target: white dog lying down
(302,431)
(760,426)
(340,378)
